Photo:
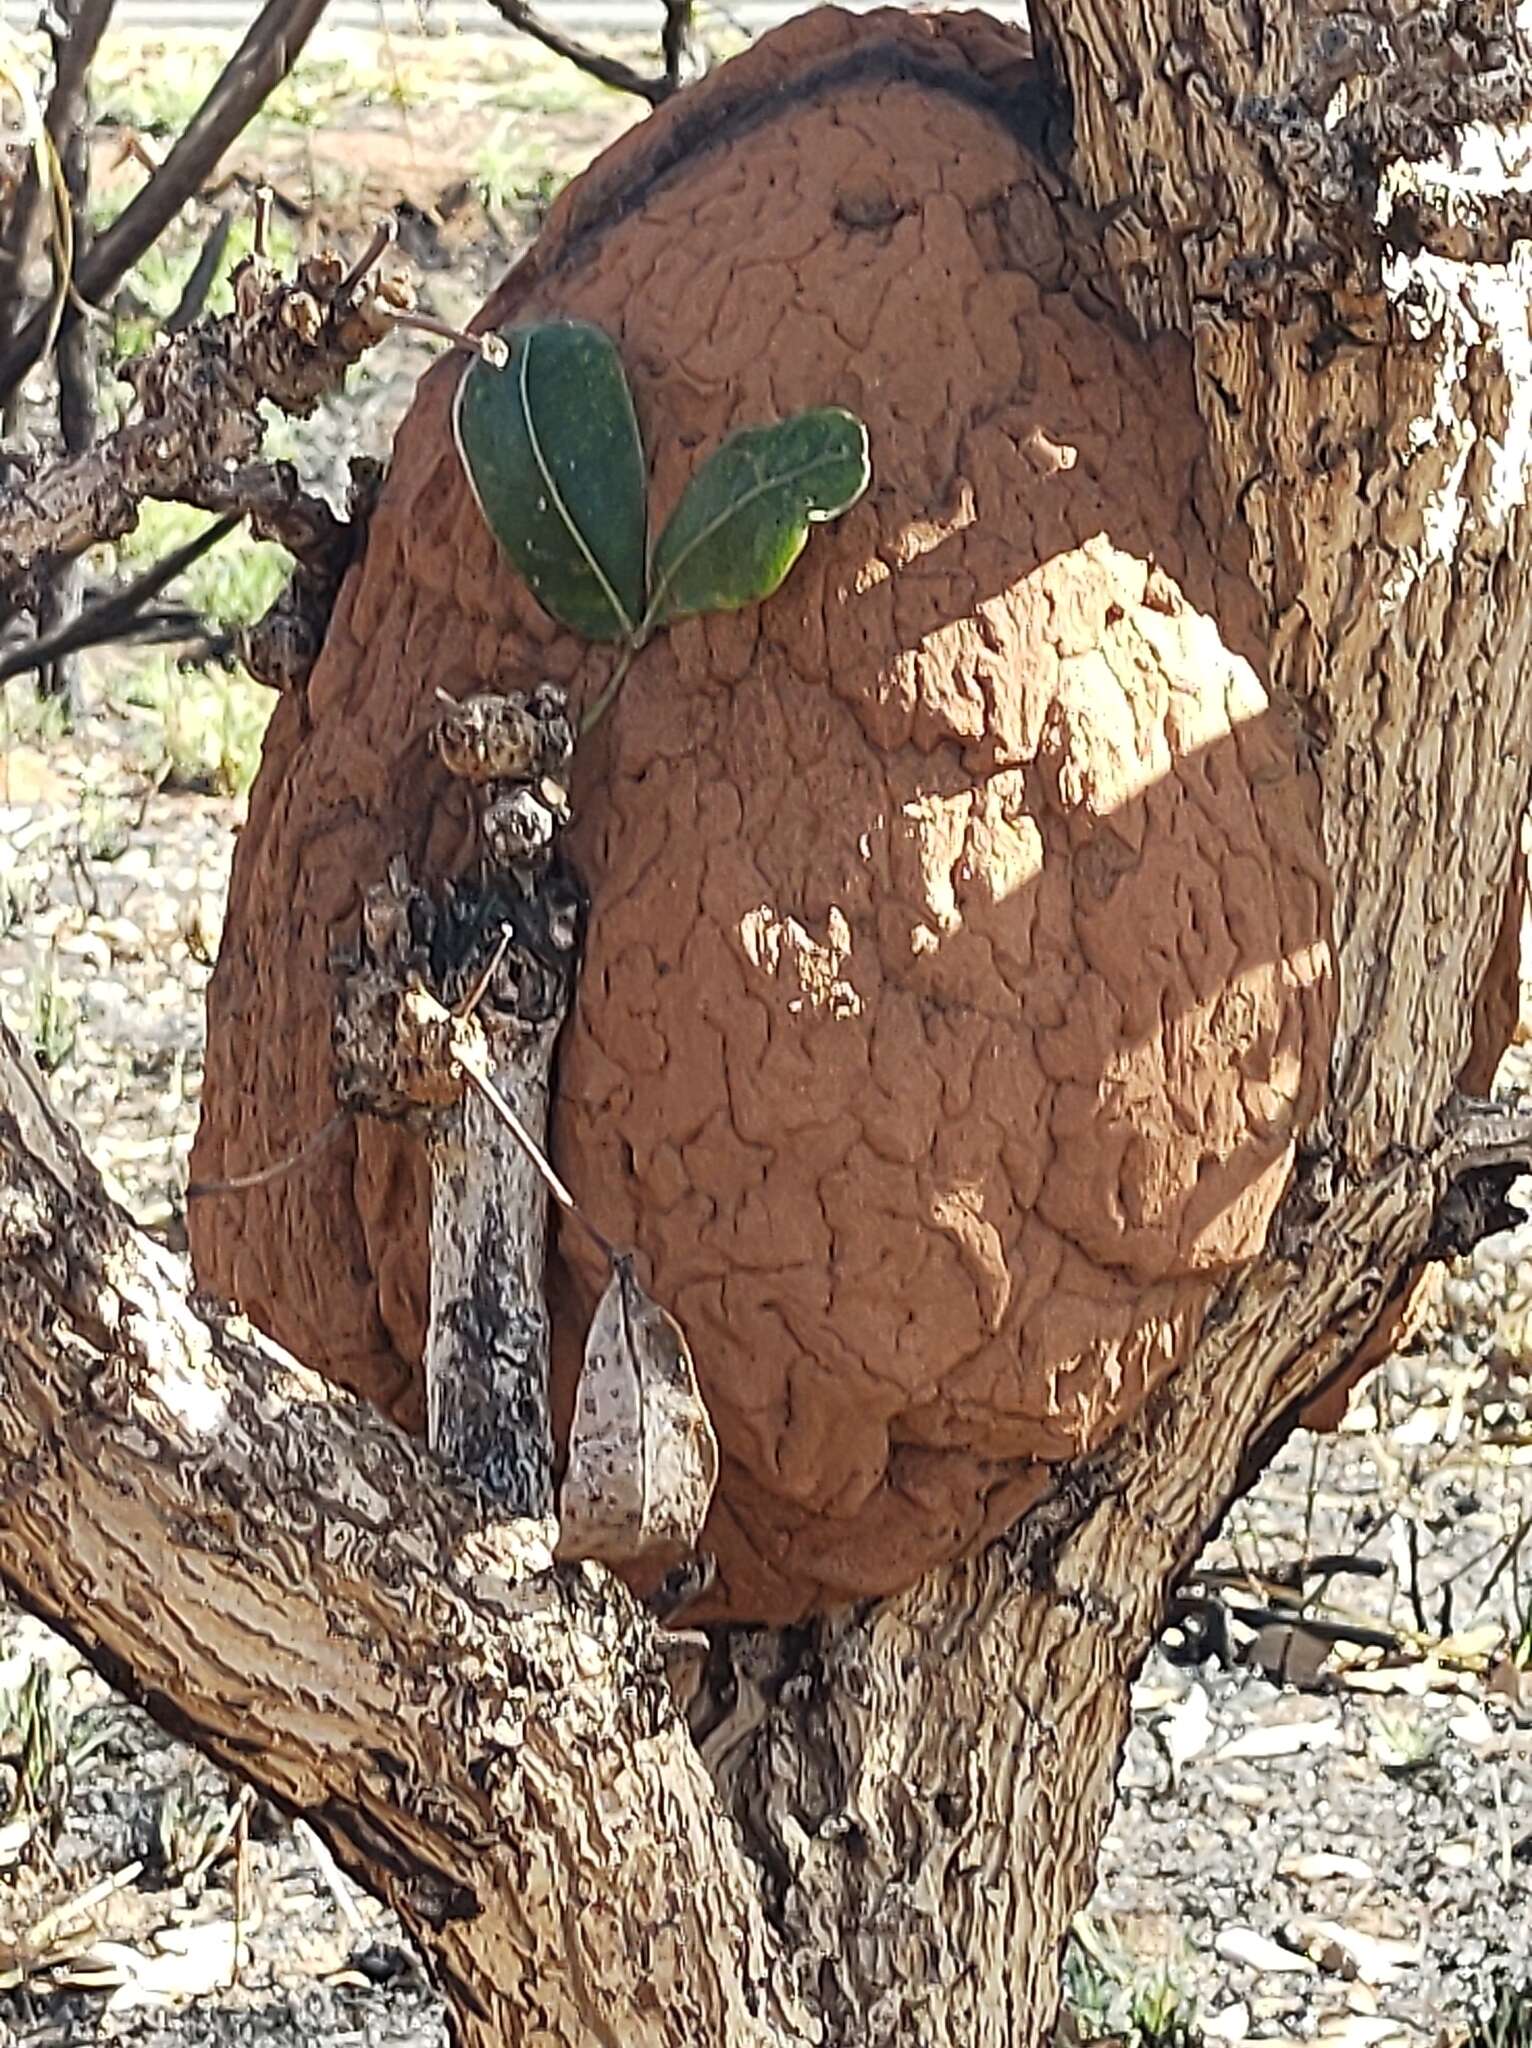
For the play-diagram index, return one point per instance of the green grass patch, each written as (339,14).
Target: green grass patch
(232,584)
(1110,1994)
(203,727)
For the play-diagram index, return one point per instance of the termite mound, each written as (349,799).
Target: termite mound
(956,989)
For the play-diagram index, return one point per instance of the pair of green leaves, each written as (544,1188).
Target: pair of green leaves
(551,446)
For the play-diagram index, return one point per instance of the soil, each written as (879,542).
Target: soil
(1314,1839)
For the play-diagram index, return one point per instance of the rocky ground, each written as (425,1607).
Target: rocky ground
(1324,1829)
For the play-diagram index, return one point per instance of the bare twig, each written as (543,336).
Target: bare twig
(333,1875)
(261,62)
(204,270)
(678,42)
(198,1189)
(80,1907)
(384,236)
(474,1071)
(490,346)
(74,51)
(260,240)
(46,173)
(75,355)
(594,63)
(116,615)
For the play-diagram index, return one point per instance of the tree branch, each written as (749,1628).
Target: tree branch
(594,63)
(678,41)
(75,351)
(488,1741)
(257,67)
(117,615)
(74,51)
(984,1709)
(188,307)
(201,427)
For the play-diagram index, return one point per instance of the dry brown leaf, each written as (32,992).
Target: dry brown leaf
(1507,1680)
(643,1458)
(1290,1654)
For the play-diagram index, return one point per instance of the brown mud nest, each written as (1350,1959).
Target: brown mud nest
(958,974)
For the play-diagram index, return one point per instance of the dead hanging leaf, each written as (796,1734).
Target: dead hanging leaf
(1290,1654)
(1509,1681)
(643,1459)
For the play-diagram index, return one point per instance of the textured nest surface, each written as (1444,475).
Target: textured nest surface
(957,974)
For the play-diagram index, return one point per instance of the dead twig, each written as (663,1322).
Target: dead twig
(74,44)
(468,1059)
(75,353)
(198,437)
(678,42)
(192,300)
(594,63)
(197,1190)
(118,614)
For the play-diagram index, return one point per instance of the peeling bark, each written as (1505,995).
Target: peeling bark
(471,985)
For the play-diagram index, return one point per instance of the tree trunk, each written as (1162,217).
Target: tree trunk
(917,1787)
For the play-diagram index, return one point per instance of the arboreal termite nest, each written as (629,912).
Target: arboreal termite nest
(956,986)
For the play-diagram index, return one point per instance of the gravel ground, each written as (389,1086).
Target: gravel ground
(1314,1839)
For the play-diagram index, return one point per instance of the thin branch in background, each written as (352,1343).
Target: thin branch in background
(260,236)
(118,614)
(384,236)
(594,63)
(678,42)
(258,66)
(192,300)
(68,120)
(74,46)
(44,173)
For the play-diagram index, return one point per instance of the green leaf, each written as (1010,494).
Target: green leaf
(551,447)
(744,518)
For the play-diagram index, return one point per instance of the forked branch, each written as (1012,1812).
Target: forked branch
(594,63)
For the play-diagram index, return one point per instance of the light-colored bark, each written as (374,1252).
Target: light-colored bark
(487,1346)
(491,1743)
(1369,412)
(920,1786)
